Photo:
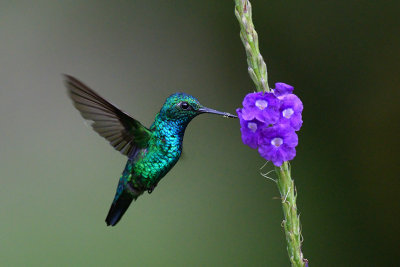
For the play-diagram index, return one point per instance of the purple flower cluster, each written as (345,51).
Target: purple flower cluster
(269,122)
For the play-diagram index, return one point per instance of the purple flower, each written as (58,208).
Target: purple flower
(269,121)
(250,130)
(278,143)
(261,106)
(290,111)
(283,89)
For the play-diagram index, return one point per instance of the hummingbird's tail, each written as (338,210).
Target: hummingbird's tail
(118,208)
(124,196)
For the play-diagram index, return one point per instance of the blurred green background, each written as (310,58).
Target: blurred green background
(58,177)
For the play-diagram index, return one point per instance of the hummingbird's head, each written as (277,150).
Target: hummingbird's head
(183,107)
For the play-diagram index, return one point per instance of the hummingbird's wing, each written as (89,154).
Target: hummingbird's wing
(123,132)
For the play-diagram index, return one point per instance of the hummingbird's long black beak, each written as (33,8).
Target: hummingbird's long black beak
(213,111)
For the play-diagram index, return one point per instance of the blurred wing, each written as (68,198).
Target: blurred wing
(123,132)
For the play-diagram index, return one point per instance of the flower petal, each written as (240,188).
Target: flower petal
(291,139)
(283,89)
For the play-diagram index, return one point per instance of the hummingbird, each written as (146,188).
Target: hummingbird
(151,152)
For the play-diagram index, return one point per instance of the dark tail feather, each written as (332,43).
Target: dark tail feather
(118,209)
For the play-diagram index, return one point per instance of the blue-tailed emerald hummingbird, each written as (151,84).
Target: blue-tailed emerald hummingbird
(151,152)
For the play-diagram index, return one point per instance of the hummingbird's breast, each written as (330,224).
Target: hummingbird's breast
(163,151)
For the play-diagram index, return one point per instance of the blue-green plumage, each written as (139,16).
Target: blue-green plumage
(151,152)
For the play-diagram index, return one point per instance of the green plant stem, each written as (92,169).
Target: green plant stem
(291,223)
(257,68)
(258,72)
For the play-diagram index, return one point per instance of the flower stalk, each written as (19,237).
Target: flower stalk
(291,223)
(257,68)
(258,72)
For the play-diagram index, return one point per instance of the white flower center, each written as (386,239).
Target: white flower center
(261,104)
(287,113)
(252,126)
(277,141)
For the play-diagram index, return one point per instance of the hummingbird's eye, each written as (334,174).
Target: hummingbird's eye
(185,106)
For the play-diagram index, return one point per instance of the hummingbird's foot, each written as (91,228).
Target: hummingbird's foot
(150,190)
